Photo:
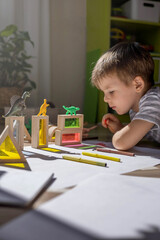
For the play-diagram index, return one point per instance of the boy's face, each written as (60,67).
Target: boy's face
(118,95)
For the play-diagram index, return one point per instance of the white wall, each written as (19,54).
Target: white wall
(32,16)
(68,57)
(63,30)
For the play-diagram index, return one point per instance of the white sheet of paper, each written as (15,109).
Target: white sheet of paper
(144,158)
(110,206)
(70,173)
(67,173)
(21,188)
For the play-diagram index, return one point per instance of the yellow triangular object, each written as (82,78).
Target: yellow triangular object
(17,165)
(21,166)
(10,152)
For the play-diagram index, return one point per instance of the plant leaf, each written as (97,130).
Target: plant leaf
(9,30)
(25,37)
(33,84)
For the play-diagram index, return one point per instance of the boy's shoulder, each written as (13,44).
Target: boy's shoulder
(151,95)
(149,102)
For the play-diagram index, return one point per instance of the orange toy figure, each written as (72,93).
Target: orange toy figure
(43,108)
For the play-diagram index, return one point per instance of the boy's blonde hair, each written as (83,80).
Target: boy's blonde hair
(127,60)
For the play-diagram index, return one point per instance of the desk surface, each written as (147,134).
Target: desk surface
(7,214)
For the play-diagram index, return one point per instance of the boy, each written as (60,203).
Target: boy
(125,75)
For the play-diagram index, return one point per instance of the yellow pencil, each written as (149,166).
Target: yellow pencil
(81,160)
(101,156)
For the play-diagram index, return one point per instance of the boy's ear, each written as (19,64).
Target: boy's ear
(138,83)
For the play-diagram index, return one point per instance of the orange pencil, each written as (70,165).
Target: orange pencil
(116,152)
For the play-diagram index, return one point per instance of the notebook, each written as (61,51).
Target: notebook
(22,189)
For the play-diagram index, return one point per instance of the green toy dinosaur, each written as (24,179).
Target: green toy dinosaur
(71,110)
(17,105)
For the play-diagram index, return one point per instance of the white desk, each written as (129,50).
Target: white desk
(65,212)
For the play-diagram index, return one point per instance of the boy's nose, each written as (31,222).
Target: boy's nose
(106,99)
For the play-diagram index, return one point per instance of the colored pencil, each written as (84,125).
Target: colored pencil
(81,160)
(115,151)
(101,156)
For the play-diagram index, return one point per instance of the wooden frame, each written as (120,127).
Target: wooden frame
(39,137)
(73,139)
(12,121)
(71,134)
(63,117)
(7,133)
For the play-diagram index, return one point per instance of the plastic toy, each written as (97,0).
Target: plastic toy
(71,110)
(17,105)
(117,35)
(117,12)
(43,108)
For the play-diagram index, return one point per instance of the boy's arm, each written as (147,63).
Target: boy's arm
(131,134)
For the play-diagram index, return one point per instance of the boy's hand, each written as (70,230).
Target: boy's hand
(112,122)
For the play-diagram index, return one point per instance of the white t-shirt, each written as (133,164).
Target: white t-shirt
(149,110)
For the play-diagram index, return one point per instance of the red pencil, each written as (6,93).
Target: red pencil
(116,152)
(106,122)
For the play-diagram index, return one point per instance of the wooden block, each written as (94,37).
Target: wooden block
(51,133)
(16,128)
(68,136)
(39,131)
(70,121)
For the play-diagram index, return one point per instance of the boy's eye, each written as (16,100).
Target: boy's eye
(111,92)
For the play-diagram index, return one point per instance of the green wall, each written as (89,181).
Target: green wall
(98,30)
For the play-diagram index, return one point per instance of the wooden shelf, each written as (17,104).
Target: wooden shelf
(155,54)
(133,25)
(99,24)
(127,20)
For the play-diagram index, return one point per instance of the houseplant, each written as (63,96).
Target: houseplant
(14,65)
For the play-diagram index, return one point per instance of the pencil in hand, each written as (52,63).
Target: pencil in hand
(106,122)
